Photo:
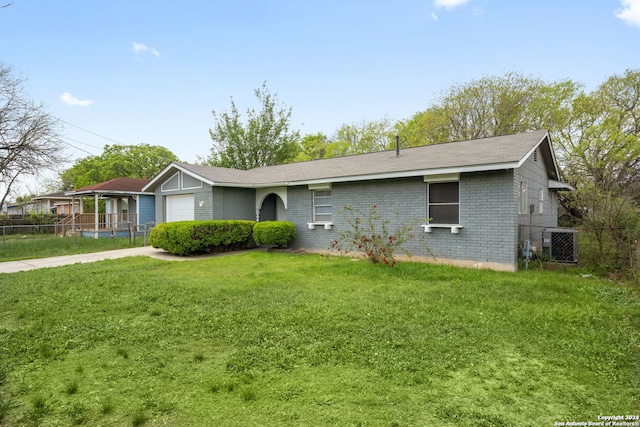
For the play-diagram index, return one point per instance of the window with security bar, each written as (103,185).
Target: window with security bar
(444,203)
(322,206)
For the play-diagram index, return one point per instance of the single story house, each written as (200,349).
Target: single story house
(469,196)
(126,206)
(56,203)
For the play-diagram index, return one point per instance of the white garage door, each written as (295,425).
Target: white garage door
(180,208)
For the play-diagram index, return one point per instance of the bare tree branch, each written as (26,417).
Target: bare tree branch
(29,142)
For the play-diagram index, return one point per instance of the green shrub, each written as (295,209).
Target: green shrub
(198,237)
(278,233)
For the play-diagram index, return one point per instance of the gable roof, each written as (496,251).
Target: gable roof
(495,153)
(113,186)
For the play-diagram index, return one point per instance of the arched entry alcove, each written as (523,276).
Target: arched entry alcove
(271,204)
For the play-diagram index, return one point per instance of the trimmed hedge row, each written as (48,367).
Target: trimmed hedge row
(199,237)
(278,233)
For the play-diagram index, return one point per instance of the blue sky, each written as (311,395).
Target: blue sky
(151,72)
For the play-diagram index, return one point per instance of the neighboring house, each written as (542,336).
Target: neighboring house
(56,203)
(476,194)
(22,208)
(126,204)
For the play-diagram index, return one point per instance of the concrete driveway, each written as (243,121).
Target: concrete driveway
(32,264)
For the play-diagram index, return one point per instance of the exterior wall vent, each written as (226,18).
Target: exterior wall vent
(560,244)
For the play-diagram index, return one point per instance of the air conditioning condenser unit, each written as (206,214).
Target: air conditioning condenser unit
(560,244)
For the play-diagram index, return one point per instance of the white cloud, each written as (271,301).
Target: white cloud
(630,12)
(69,99)
(449,4)
(141,48)
(434,16)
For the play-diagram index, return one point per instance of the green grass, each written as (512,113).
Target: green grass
(280,339)
(15,248)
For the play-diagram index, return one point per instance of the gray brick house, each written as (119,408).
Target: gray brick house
(475,194)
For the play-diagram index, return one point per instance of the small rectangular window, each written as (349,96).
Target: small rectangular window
(444,203)
(522,201)
(322,206)
(541,201)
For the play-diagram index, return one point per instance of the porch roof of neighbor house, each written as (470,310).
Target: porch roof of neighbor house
(495,153)
(113,187)
(58,196)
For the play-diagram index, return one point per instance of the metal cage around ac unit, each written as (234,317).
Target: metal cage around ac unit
(560,244)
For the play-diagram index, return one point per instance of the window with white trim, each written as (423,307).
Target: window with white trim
(443,202)
(541,201)
(322,206)
(522,200)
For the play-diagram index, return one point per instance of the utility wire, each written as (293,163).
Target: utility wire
(86,130)
(73,146)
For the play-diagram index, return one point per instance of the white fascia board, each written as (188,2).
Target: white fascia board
(109,193)
(194,175)
(181,169)
(553,156)
(159,175)
(409,174)
(240,185)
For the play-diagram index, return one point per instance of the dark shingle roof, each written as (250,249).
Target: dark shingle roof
(500,152)
(118,185)
(474,154)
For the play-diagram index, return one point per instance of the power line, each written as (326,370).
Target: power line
(73,146)
(80,142)
(86,130)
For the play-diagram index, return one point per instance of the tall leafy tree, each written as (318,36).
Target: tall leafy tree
(29,141)
(264,139)
(601,156)
(423,128)
(313,147)
(490,106)
(118,161)
(364,137)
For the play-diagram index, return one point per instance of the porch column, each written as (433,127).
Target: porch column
(96,212)
(257,215)
(73,214)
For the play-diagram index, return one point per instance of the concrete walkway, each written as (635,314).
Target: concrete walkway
(32,264)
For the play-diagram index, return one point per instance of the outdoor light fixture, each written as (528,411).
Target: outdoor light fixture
(201,203)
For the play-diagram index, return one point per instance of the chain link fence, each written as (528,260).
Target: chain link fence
(12,234)
(604,248)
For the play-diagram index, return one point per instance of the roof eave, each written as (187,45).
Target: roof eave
(413,173)
(561,186)
(108,192)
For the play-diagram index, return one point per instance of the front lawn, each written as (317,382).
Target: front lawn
(21,247)
(279,339)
